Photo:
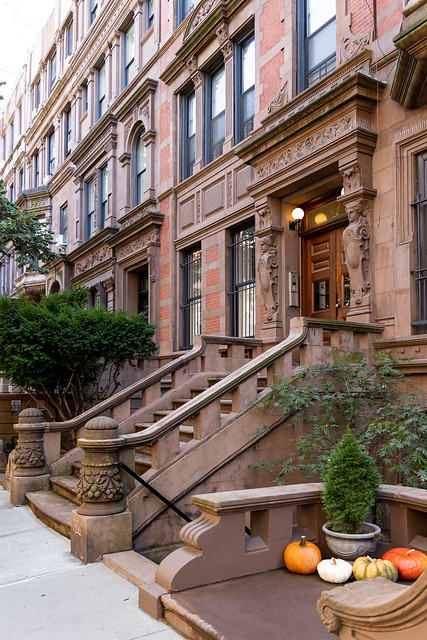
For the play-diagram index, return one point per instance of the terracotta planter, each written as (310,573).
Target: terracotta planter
(350,546)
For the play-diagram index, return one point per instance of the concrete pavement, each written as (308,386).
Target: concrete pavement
(46,593)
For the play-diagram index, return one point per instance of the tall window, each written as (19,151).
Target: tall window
(101,89)
(63,223)
(67,133)
(11,193)
(85,97)
(12,135)
(52,71)
(103,212)
(192,298)
(36,166)
(90,208)
(21,180)
(140,168)
(188,134)
(19,120)
(129,54)
(245,88)
(51,153)
(37,95)
(242,249)
(93,8)
(184,7)
(69,39)
(420,206)
(149,4)
(215,133)
(316,40)
(143,292)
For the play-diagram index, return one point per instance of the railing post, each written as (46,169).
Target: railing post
(28,459)
(101,524)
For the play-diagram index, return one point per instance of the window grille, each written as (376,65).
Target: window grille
(242,294)
(192,298)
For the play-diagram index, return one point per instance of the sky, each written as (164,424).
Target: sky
(21,21)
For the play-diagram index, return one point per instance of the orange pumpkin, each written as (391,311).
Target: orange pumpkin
(302,557)
(410,563)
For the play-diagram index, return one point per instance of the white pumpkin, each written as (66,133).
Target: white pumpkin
(334,570)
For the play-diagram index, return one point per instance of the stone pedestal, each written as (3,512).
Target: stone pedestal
(93,536)
(20,486)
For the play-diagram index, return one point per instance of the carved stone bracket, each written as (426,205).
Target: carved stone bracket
(268,270)
(100,487)
(196,75)
(351,46)
(352,179)
(280,99)
(355,243)
(224,41)
(28,455)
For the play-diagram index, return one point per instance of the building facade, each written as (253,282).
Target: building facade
(170,147)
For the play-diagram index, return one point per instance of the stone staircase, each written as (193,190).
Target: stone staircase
(54,507)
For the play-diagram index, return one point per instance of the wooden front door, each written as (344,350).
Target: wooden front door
(325,280)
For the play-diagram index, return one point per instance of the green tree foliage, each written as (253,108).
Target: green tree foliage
(351,482)
(369,398)
(64,355)
(22,233)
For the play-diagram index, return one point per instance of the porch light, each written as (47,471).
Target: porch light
(320,218)
(297,215)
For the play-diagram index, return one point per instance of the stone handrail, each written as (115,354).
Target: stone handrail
(198,350)
(217,547)
(277,361)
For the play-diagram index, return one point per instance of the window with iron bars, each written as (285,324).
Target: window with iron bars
(420,273)
(242,295)
(192,296)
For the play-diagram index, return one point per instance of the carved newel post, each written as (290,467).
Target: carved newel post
(101,524)
(28,459)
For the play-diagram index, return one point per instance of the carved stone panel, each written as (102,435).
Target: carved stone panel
(213,198)
(268,270)
(187,213)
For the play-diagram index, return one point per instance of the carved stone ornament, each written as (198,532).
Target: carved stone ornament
(202,13)
(351,47)
(352,179)
(100,485)
(138,245)
(224,40)
(93,259)
(29,454)
(280,99)
(355,243)
(264,217)
(306,147)
(268,275)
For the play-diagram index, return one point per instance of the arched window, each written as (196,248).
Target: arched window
(140,168)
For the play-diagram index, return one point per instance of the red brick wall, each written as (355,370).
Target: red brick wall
(388,15)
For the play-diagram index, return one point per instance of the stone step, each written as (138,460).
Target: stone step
(53,510)
(132,566)
(142,463)
(65,486)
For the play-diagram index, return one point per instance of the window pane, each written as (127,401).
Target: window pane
(248,64)
(322,45)
(218,92)
(318,13)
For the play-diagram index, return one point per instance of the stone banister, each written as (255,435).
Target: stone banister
(217,547)
(278,362)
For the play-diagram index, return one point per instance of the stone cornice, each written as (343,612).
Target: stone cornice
(91,245)
(95,143)
(132,97)
(355,97)
(139,220)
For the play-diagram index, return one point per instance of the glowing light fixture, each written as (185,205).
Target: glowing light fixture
(297,215)
(320,218)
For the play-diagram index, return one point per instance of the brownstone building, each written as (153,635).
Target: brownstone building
(169,145)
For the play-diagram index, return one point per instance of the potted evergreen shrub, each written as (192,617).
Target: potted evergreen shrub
(351,483)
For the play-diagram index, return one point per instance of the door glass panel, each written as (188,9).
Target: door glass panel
(324,213)
(347,292)
(321,295)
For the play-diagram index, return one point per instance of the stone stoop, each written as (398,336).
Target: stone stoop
(189,624)
(52,509)
(132,566)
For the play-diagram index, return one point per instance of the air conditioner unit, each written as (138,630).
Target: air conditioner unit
(61,243)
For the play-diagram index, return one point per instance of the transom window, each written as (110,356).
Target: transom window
(242,293)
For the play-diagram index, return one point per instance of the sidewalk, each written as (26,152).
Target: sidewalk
(46,593)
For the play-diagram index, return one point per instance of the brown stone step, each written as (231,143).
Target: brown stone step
(65,486)
(53,510)
(132,566)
